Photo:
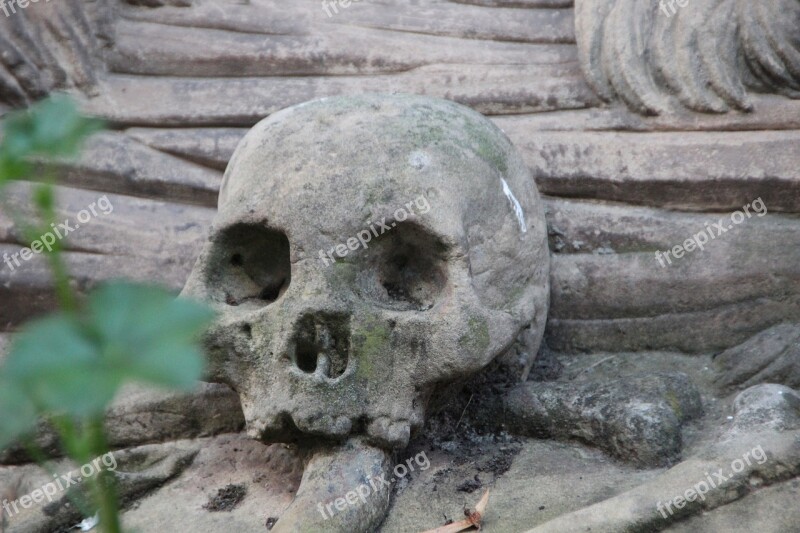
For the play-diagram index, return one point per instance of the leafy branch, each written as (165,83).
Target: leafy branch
(68,366)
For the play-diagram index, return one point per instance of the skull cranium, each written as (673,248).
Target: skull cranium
(330,344)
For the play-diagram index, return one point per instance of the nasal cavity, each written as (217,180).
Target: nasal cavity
(306,357)
(322,344)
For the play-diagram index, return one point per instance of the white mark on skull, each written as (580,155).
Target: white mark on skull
(515,206)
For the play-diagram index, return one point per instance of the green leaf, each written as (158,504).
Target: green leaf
(149,333)
(13,168)
(82,391)
(138,313)
(53,127)
(44,197)
(175,365)
(49,345)
(18,139)
(131,332)
(59,368)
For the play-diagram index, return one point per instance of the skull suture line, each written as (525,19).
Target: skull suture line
(360,346)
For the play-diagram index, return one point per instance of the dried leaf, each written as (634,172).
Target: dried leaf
(473,519)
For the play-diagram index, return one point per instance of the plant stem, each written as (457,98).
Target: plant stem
(38,455)
(106,482)
(64,293)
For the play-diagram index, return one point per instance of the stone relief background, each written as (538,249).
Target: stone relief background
(636,144)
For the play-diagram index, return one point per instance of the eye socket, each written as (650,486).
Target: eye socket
(404,269)
(251,265)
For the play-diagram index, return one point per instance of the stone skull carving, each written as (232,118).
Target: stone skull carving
(367,251)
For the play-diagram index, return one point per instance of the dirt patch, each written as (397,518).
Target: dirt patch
(546,366)
(227,499)
(471,485)
(463,431)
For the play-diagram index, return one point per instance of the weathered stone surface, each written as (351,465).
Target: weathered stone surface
(546,479)
(502,89)
(140,239)
(519,21)
(697,171)
(160,3)
(772,509)
(609,292)
(710,300)
(27,292)
(772,356)
(767,406)
(634,418)
(747,461)
(137,471)
(666,170)
(604,186)
(329,475)
(653,55)
(547,4)
(50,47)
(115,162)
(181,230)
(270,476)
(165,486)
(155,49)
(771,113)
(143,415)
(212,147)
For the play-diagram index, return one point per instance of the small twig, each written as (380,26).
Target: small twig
(463,412)
(473,518)
(598,363)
